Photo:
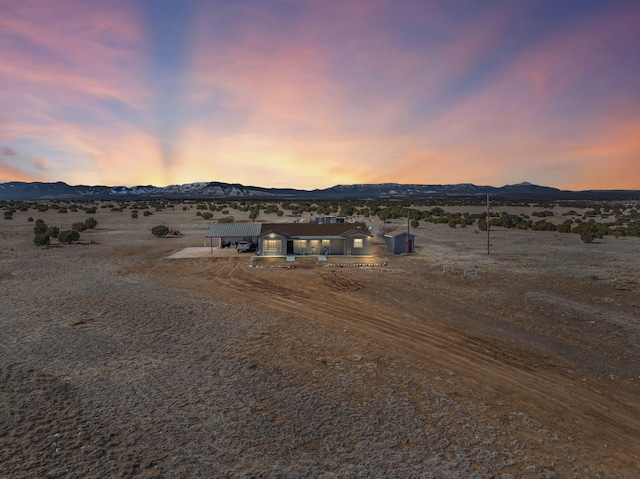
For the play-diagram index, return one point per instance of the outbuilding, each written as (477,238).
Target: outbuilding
(400,242)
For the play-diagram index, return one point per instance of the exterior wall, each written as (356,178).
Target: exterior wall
(352,250)
(265,245)
(314,246)
(338,247)
(391,244)
(318,246)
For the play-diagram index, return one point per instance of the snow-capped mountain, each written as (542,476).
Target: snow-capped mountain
(215,190)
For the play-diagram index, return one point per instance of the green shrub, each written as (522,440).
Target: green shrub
(30,219)
(134,215)
(415,223)
(544,225)
(619,231)
(53,231)
(590,230)
(91,223)
(40,227)
(41,239)
(542,213)
(633,228)
(159,231)
(207,215)
(68,236)
(79,226)
(587,235)
(228,219)
(565,227)
(147,213)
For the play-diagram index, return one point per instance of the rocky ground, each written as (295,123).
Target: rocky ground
(116,361)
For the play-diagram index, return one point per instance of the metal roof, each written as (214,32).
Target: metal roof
(393,234)
(230,230)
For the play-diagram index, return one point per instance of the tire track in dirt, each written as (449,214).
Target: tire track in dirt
(492,368)
(508,372)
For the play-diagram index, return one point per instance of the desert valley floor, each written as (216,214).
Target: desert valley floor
(118,361)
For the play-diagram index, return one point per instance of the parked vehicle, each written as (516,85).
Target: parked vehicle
(245,247)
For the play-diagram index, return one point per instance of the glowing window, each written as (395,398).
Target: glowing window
(358,242)
(271,245)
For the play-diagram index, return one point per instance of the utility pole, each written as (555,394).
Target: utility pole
(488,224)
(407,245)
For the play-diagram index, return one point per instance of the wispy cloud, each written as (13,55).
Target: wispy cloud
(6,151)
(73,80)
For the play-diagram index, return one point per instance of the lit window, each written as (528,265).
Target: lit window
(271,245)
(358,242)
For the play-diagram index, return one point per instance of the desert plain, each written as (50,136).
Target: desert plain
(118,359)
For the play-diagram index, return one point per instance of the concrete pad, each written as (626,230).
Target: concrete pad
(203,252)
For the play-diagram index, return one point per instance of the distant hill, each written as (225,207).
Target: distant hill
(215,190)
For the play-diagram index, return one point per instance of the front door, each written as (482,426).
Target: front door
(289,246)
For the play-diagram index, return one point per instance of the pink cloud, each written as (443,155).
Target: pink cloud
(6,151)
(340,92)
(67,49)
(63,57)
(67,63)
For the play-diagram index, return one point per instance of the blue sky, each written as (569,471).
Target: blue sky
(309,94)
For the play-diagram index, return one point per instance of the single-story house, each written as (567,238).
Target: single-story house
(285,239)
(400,242)
(225,233)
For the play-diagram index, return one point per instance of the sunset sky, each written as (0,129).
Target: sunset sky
(310,94)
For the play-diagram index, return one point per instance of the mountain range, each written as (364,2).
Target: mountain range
(17,190)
